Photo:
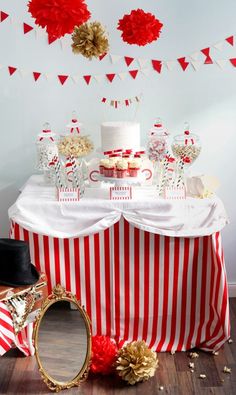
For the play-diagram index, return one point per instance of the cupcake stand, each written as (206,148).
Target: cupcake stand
(146,268)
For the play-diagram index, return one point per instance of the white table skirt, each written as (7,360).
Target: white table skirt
(37,210)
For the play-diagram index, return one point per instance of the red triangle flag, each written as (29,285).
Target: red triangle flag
(157,65)
(36,75)
(3,16)
(62,78)
(206,52)
(102,56)
(87,78)
(183,63)
(133,73)
(27,28)
(230,40)
(110,77)
(51,39)
(128,60)
(233,61)
(11,70)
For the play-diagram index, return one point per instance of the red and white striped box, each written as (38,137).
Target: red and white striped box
(174,193)
(68,194)
(121,193)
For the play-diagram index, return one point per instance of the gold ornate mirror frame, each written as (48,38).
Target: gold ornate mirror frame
(60,294)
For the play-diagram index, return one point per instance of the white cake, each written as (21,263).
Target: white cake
(120,135)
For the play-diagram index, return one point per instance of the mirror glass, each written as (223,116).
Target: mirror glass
(62,341)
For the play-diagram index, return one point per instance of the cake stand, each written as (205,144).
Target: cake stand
(144,175)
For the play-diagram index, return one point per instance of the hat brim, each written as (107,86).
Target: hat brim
(31,279)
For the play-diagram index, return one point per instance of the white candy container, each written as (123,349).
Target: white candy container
(46,151)
(157,146)
(186,146)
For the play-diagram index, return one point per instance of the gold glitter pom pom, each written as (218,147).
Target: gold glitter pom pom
(90,40)
(136,362)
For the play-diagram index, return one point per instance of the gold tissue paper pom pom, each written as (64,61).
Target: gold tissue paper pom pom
(136,362)
(90,40)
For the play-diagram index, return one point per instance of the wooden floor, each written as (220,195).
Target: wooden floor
(19,375)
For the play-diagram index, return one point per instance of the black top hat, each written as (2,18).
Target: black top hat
(16,268)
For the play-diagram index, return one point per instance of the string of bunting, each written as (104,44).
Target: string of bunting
(157,64)
(27,28)
(63,78)
(116,103)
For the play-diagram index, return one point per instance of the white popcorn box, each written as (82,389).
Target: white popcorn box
(68,194)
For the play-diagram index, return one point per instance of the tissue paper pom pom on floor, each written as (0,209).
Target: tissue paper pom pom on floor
(90,40)
(139,27)
(104,353)
(136,362)
(59,16)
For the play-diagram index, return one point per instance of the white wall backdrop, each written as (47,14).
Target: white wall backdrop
(207,98)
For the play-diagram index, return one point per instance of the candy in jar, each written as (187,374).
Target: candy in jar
(157,146)
(46,147)
(186,145)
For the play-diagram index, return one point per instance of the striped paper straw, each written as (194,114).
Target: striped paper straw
(57,167)
(164,175)
(181,168)
(75,171)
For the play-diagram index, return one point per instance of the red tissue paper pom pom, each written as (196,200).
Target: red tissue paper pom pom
(104,352)
(139,27)
(59,16)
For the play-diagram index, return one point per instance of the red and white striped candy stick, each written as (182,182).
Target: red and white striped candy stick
(69,171)
(184,160)
(164,172)
(57,167)
(75,171)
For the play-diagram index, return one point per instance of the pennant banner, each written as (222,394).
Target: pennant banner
(116,103)
(110,77)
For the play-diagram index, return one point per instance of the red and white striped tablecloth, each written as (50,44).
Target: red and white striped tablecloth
(171,292)
(8,339)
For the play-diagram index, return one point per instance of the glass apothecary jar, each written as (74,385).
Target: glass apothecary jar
(158,141)
(46,151)
(186,146)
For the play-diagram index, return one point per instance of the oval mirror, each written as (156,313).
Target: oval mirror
(62,339)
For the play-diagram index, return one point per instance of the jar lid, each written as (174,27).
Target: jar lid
(187,138)
(46,133)
(74,125)
(158,129)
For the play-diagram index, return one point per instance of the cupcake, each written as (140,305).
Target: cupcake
(102,165)
(114,158)
(121,168)
(134,167)
(126,158)
(109,169)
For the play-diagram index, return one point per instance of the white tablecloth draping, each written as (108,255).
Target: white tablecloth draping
(37,210)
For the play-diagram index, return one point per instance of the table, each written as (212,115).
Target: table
(146,268)
(8,338)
